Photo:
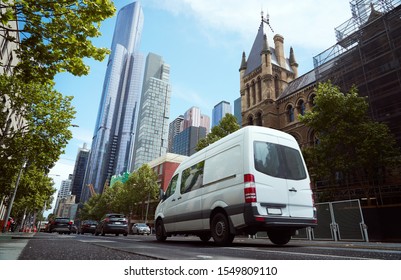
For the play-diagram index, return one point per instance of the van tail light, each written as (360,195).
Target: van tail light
(249,188)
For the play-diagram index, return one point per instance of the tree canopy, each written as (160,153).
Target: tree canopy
(43,117)
(351,147)
(54,36)
(228,124)
(127,198)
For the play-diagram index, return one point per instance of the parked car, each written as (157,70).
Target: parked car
(113,224)
(74,228)
(60,225)
(140,229)
(88,226)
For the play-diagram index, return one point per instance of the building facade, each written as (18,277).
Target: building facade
(237,110)
(114,135)
(153,127)
(186,141)
(219,111)
(81,162)
(366,55)
(175,127)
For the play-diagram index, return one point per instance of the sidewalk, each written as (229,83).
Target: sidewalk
(12,244)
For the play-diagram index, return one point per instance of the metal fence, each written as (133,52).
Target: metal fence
(338,221)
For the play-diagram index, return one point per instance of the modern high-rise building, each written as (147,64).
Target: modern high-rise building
(219,111)
(64,191)
(175,127)
(79,172)
(114,135)
(152,131)
(237,110)
(193,117)
(186,141)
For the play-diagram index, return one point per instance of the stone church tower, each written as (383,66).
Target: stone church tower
(263,77)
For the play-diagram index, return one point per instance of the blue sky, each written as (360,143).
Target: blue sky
(202,41)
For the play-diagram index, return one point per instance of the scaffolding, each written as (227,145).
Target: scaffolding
(368,55)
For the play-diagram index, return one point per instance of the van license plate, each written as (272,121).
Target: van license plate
(274,211)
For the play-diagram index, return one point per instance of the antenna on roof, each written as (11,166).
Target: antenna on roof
(266,20)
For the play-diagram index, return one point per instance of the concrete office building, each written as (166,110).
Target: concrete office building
(152,130)
(77,182)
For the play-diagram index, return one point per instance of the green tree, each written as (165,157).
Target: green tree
(142,187)
(351,147)
(54,36)
(226,126)
(44,117)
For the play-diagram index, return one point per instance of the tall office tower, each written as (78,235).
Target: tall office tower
(114,135)
(79,172)
(175,127)
(64,191)
(219,111)
(237,110)
(152,131)
(186,141)
(193,117)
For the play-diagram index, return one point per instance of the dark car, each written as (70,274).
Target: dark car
(88,226)
(114,224)
(60,225)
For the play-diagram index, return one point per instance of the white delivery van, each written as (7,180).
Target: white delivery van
(252,180)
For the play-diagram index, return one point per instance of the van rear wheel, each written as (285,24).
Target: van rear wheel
(160,232)
(221,230)
(279,237)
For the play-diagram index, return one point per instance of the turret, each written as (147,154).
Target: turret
(279,48)
(293,63)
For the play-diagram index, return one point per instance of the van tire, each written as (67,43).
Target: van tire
(205,237)
(221,230)
(160,232)
(279,237)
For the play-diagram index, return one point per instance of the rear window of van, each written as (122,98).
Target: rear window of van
(278,161)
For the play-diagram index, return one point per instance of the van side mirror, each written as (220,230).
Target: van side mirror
(162,195)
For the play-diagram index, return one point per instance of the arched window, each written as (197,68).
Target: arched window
(248,96)
(250,120)
(290,113)
(253,90)
(301,107)
(259,119)
(259,90)
(276,87)
(312,100)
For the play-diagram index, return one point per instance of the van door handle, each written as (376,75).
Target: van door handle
(292,189)
(179,198)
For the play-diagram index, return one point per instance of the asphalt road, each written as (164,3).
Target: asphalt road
(46,246)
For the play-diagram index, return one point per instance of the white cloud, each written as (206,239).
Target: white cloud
(309,23)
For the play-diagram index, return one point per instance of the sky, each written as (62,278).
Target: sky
(202,41)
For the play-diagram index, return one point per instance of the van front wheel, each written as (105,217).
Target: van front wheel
(160,232)
(221,230)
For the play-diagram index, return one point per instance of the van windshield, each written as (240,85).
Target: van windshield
(278,161)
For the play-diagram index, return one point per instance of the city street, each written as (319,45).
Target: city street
(46,246)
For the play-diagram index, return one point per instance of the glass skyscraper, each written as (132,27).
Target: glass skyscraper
(114,135)
(219,111)
(152,131)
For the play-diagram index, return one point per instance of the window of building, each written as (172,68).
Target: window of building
(301,107)
(290,113)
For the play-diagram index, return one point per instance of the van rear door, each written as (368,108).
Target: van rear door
(298,182)
(281,178)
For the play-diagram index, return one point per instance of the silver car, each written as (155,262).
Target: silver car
(140,229)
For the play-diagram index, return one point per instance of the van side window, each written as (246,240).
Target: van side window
(278,161)
(171,187)
(192,177)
